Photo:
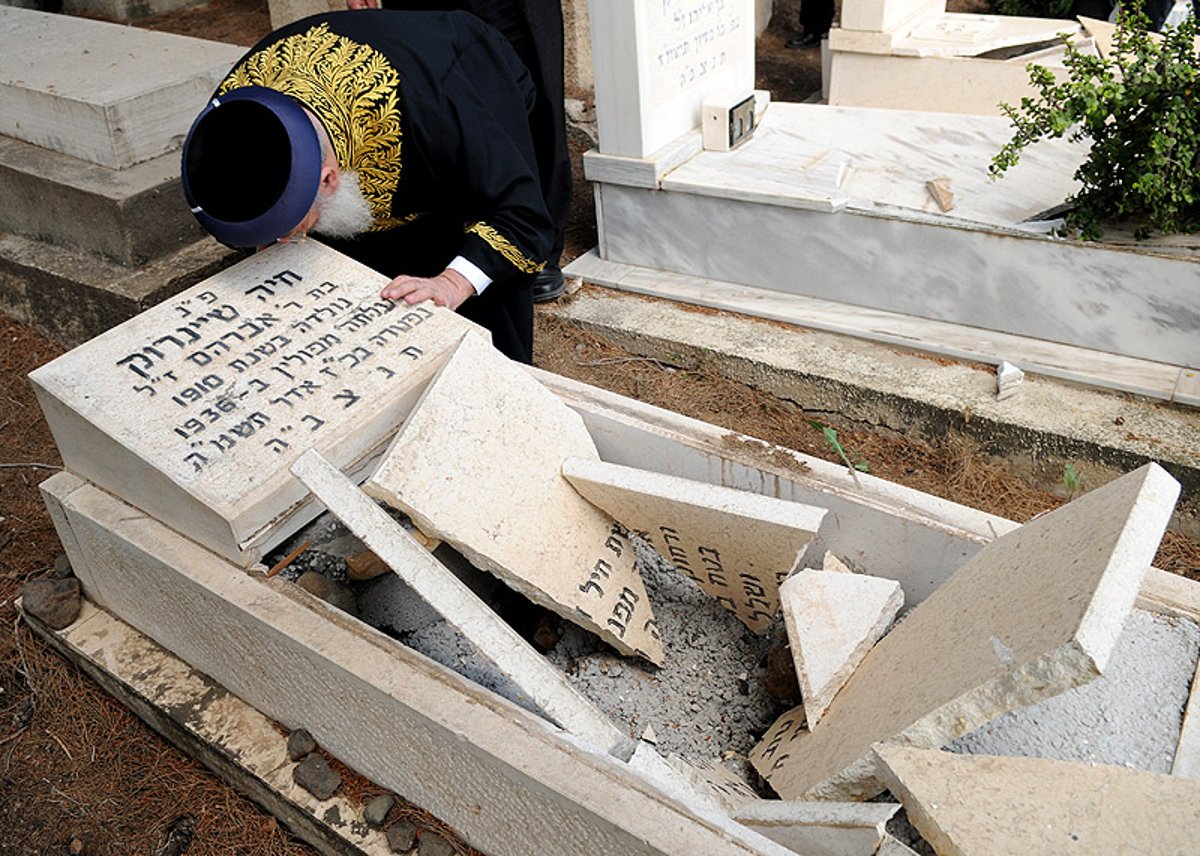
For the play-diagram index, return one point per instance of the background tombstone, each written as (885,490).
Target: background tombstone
(656,62)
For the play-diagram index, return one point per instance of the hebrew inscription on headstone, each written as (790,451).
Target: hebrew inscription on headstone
(657,61)
(194,410)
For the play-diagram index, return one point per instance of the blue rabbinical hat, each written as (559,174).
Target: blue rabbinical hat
(251,166)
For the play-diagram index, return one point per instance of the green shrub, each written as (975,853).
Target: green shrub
(1140,106)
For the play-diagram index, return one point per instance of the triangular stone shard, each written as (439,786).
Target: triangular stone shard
(833,619)
(478,464)
(736,545)
(1036,612)
(979,804)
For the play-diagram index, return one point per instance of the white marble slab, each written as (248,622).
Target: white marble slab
(736,545)
(656,63)
(1119,300)
(478,464)
(1080,365)
(958,34)
(889,155)
(194,410)
(110,94)
(1036,612)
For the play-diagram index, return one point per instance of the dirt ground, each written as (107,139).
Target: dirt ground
(80,774)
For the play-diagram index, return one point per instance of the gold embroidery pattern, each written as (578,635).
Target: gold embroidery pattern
(505,247)
(352,88)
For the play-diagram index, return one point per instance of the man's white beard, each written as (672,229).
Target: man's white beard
(345,213)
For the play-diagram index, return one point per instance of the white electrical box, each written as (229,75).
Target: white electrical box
(727,122)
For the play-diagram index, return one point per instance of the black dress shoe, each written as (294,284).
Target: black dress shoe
(805,41)
(549,284)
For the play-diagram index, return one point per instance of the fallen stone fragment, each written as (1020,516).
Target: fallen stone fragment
(504,503)
(736,545)
(833,619)
(365,565)
(316,776)
(431,843)
(56,603)
(376,811)
(76,847)
(1008,378)
(939,189)
(965,804)
(299,744)
(820,828)
(835,565)
(401,836)
(335,594)
(1034,613)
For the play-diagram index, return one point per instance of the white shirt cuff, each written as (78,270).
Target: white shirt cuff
(478,279)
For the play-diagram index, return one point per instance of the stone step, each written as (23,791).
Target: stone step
(112,95)
(72,297)
(128,216)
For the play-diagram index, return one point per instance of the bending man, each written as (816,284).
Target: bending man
(401,137)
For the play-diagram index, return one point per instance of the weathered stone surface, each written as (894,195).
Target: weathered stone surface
(316,776)
(820,828)
(832,620)
(1032,614)
(965,804)
(466,468)
(56,603)
(194,409)
(299,744)
(736,545)
(376,811)
(62,567)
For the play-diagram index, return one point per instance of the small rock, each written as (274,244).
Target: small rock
(1008,378)
(76,848)
(548,632)
(315,776)
(299,744)
(434,844)
(334,594)
(56,603)
(376,811)
(401,836)
(177,837)
(781,682)
(365,565)
(62,568)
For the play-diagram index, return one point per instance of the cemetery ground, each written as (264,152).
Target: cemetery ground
(79,773)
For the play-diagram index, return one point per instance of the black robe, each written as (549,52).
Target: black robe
(431,111)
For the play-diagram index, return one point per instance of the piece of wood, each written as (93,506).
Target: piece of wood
(980,804)
(1036,612)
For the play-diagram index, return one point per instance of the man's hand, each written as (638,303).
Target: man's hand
(362,4)
(449,288)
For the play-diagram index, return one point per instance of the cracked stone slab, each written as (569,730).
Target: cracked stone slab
(738,546)
(478,464)
(982,804)
(833,619)
(1034,613)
